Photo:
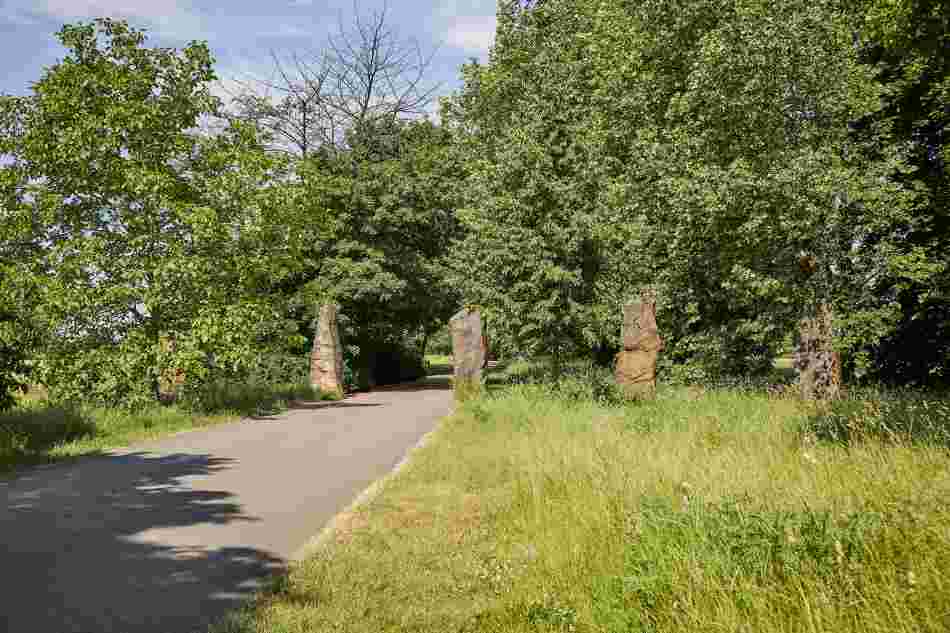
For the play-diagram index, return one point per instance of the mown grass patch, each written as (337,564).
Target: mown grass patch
(701,511)
(37,431)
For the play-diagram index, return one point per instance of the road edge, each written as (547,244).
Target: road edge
(324,537)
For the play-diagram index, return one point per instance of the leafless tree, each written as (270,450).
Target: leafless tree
(358,86)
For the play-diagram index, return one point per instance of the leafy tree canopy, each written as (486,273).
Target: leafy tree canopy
(139,228)
(702,148)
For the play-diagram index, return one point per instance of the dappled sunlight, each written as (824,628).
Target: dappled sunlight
(114,510)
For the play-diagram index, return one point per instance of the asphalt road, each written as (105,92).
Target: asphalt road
(168,536)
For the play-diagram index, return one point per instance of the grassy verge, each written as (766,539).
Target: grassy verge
(37,432)
(702,511)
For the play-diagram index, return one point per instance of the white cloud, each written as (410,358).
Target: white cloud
(93,8)
(240,74)
(168,18)
(474,34)
(449,8)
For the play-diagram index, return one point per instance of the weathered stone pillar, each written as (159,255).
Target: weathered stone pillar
(326,358)
(466,327)
(636,363)
(171,379)
(818,364)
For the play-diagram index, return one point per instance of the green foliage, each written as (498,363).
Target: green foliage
(19,335)
(248,398)
(136,229)
(747,161)
(698,148)
(280,367)
(906,42)
(30,431)
(441,342)
(382,256)
(579,381)
(12,355)
(37,432)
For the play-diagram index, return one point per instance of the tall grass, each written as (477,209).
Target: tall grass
(715,511)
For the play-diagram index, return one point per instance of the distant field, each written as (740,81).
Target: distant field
(439,362)
(784,362)
(702,511)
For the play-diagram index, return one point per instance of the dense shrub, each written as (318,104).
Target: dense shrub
(103,375)
(581,380)
(280,368)
(918,351)
(441,342)
(716,357)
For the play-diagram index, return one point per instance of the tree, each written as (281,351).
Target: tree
(17,334)
(363,82)
(906,43)
(351,116)
(138,229)
(384,255)
(698,147)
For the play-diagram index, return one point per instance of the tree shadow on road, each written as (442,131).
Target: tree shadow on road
(313,405)
(83,549)
(439,383)
(327,404)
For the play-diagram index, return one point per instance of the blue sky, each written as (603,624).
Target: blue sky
(241,33)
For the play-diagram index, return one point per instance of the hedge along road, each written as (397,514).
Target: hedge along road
(170,535)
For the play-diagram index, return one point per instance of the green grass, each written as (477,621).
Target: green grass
(437,364)
(38,432)
(784,362)
(702,511)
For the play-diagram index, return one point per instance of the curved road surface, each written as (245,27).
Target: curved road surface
(170,535)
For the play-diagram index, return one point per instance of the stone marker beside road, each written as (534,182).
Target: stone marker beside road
(326,358)
(467,348)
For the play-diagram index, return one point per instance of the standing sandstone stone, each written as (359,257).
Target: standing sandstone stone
(172,379)
(468,350)
(636,363)
(818,365)
(326,358)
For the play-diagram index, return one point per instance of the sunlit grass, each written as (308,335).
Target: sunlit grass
(702,511)
(37,431)
(439,364)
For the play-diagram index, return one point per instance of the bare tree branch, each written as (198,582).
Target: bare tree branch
(359,86)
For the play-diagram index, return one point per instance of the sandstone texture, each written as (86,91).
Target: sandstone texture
(468,348)
(635,365)
(326,357)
